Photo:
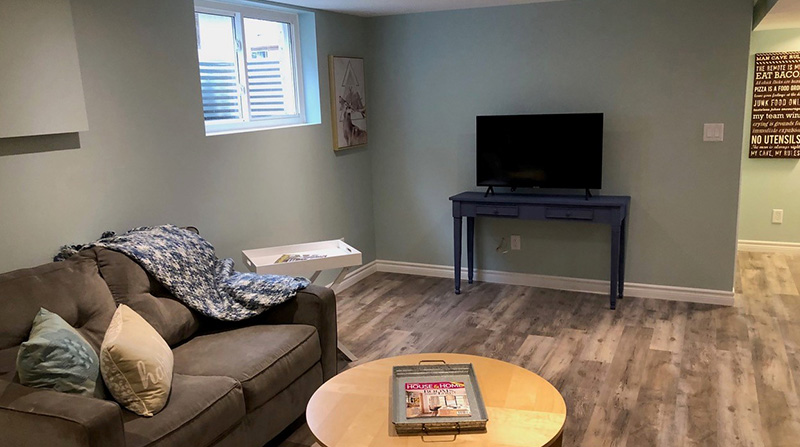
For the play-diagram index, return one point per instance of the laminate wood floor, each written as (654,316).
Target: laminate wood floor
(651,373)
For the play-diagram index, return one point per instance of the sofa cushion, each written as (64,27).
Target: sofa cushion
(264,358)
(200,410)
(268,420)
(72,289)
(131,285)
(8,363)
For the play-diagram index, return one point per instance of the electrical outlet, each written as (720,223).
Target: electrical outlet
(777,216)
(516,242)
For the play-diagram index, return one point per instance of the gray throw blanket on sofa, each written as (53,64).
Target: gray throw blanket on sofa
(186,265)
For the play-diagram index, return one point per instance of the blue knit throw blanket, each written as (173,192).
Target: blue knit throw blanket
(186,265)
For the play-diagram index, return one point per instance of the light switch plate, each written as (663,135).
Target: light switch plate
(516,242)
(713,131)
(777,216)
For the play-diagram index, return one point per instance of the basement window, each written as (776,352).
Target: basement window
(251,75)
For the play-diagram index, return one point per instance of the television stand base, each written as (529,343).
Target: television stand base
(588,194)
(489,190)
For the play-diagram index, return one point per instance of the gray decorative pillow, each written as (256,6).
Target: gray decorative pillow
(57,357)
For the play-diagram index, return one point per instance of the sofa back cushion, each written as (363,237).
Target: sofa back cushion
(73,289)
(131,285)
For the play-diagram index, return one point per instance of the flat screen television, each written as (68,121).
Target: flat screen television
(540,151)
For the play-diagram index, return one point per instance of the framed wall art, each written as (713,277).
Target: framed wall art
(775,121)
(348,102)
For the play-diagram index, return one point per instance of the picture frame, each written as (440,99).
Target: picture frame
(348,102)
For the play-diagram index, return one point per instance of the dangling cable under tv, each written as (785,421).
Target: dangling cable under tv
(563,151)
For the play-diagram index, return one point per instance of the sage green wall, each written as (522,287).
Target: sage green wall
(658,70)
(146,159)
(768,184)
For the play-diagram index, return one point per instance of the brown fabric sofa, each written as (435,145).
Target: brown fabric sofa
(234,384)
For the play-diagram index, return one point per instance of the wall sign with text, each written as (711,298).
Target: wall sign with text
(775,122)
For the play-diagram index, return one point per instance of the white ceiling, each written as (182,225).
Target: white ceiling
(785,14)
(390,7)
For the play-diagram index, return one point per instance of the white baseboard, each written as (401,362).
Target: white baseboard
(355,276)
(672,293)
(770,246)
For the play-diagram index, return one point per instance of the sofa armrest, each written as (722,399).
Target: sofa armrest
(314,306)
(35,417)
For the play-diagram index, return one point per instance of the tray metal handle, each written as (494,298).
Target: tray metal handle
(456,426)
(449,439)
(432,361)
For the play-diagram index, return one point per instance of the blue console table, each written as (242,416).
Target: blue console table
(611,210)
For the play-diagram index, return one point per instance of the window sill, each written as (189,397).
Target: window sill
(214,133)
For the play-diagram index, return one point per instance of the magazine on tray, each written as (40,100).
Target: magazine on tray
(295,258)
(436,399)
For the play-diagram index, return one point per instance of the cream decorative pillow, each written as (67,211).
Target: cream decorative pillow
(136,363)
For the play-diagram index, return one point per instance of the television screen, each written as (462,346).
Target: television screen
(544,151)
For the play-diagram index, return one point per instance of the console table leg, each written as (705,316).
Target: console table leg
(615,245)
(623,237)
(470,248)
(457,253)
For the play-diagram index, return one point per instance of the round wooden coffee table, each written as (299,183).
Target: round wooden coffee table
(353,408)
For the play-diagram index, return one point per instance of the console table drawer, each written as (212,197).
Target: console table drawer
(491,210)
(569,213)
